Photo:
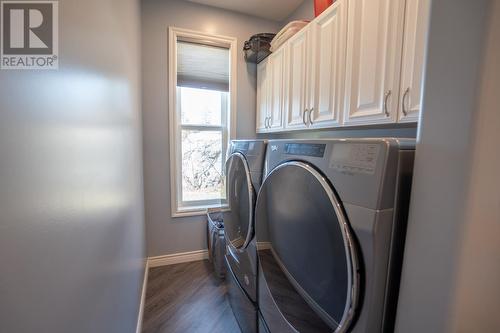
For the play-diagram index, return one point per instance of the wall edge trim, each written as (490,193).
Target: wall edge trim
(143,297)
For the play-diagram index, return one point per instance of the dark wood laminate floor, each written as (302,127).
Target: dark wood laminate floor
(187,298)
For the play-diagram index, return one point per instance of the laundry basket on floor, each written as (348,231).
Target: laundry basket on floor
(216,242)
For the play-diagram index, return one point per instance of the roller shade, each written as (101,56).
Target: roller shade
(202,66)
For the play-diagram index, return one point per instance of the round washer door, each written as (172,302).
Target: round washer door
(306,252)
(238,221)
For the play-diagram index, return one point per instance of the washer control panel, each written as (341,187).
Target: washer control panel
(305,149)
(355,157)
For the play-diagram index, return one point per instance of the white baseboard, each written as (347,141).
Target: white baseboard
(143,298)
(177,258)
(264,245)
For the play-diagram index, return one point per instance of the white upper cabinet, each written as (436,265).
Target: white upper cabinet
(373,61)
(296,93)
(358,63)
(327,66)
(415,32)
(263,98)
(278,86)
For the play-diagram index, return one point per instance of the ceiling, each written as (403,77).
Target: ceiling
(276,10)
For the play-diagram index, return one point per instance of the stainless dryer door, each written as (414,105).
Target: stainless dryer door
(238,221)
(308,266)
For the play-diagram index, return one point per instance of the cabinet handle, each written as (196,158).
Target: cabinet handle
(403,102)
(386,98)
(268,122)
(265,122)
(310,119)
(304,116)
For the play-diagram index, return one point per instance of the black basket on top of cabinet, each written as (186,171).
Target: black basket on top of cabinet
(257,47)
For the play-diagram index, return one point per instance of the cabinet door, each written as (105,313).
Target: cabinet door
(374,45)
(277,89)
(262,96)
(327,66)
(415,33)
(296,92)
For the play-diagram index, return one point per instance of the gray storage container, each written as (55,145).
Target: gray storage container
(216,242)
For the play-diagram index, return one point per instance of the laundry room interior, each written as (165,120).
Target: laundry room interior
(249,166)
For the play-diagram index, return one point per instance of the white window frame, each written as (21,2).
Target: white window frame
(175,34)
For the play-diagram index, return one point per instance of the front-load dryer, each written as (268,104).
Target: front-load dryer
(330,226)
(244,170)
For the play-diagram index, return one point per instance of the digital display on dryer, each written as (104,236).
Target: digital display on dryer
(305,149)
(241,146)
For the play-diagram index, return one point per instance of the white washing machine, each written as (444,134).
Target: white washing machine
(244,170)
(330,228)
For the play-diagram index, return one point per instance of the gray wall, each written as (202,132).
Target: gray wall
(452,267)
(396,131)
(476,301)
(166,235)
(304,12)
(71,201)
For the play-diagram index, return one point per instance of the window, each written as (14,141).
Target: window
(202,76)
(203,144)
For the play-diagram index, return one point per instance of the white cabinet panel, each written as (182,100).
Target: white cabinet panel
(297,75)
(327,66)
(263,98)
(359,63)
(278,84)
(373,61)
(415,33)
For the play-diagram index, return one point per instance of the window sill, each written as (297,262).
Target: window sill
(197,211)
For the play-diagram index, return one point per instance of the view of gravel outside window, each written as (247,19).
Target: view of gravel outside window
(202,145)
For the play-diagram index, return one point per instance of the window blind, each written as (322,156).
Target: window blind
(202,66)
